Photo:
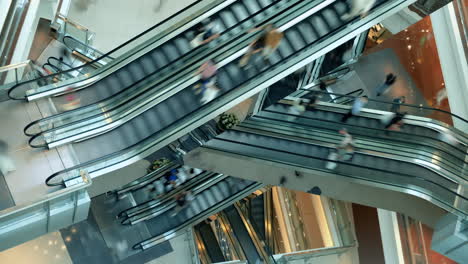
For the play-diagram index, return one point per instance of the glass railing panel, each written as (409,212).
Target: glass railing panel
(16,73)
(56,210)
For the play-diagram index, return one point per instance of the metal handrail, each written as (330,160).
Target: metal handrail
(14,66)
(308,88)
(86,182)
(125,44)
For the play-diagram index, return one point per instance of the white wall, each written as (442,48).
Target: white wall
(4,6)
(453,61)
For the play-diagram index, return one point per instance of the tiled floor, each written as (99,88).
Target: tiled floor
(33,166)
(47,249)
(116,21)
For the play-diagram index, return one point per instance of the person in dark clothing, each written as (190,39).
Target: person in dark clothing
(389,81)
(396,104)
(182,200)
(396,122)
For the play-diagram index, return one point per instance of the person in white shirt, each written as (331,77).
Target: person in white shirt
(359,7)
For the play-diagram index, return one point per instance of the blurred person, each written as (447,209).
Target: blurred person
(297,107)
(346,145)
(210,93)
(6,163)
(440,97)
(396,122)
(207,73)
(358,104)
(182,200)
(389,81)
(72,101)
(266,43)
(157,188)
(396,104)
(343,151)
(205,34)
(358,7)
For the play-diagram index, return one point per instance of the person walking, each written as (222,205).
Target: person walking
(358,104)
(266,43)
(182,200)
(205,34)
(207,73)
(359,7)
(396,122)
(389,81)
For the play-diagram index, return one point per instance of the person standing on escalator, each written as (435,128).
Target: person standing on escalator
(358,7)
(358,104)
(182,200)
(266,43)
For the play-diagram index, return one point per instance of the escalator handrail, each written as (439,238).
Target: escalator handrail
(460,213)
(152,176)
(110,52)
(162,134)
(454,178)
(196,180)
(87,46)
(358,91)
(391,103)
(202,215)
(198,186)
(395,135)
(150,75)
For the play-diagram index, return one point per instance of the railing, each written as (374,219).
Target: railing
(58,209)
(71,28)
(128,50)
(15,73)
(309,255)
(412,109)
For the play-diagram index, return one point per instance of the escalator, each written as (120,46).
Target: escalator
(167,52)
(217,193)
(206,237)
(433,172)
(243,232)
(86,53)
(178,112)
(131,103)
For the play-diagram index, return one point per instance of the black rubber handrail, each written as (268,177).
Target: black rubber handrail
(400,174)
(358,91)
(449,165)
(165,78)
(106,54)
(273,66)
(391,103)
(65,40)
(394,135)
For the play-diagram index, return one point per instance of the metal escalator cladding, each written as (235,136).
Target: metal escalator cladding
(365,166)
(167,70)
(176,113)
(211,243)
(242,235)
(202,202)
